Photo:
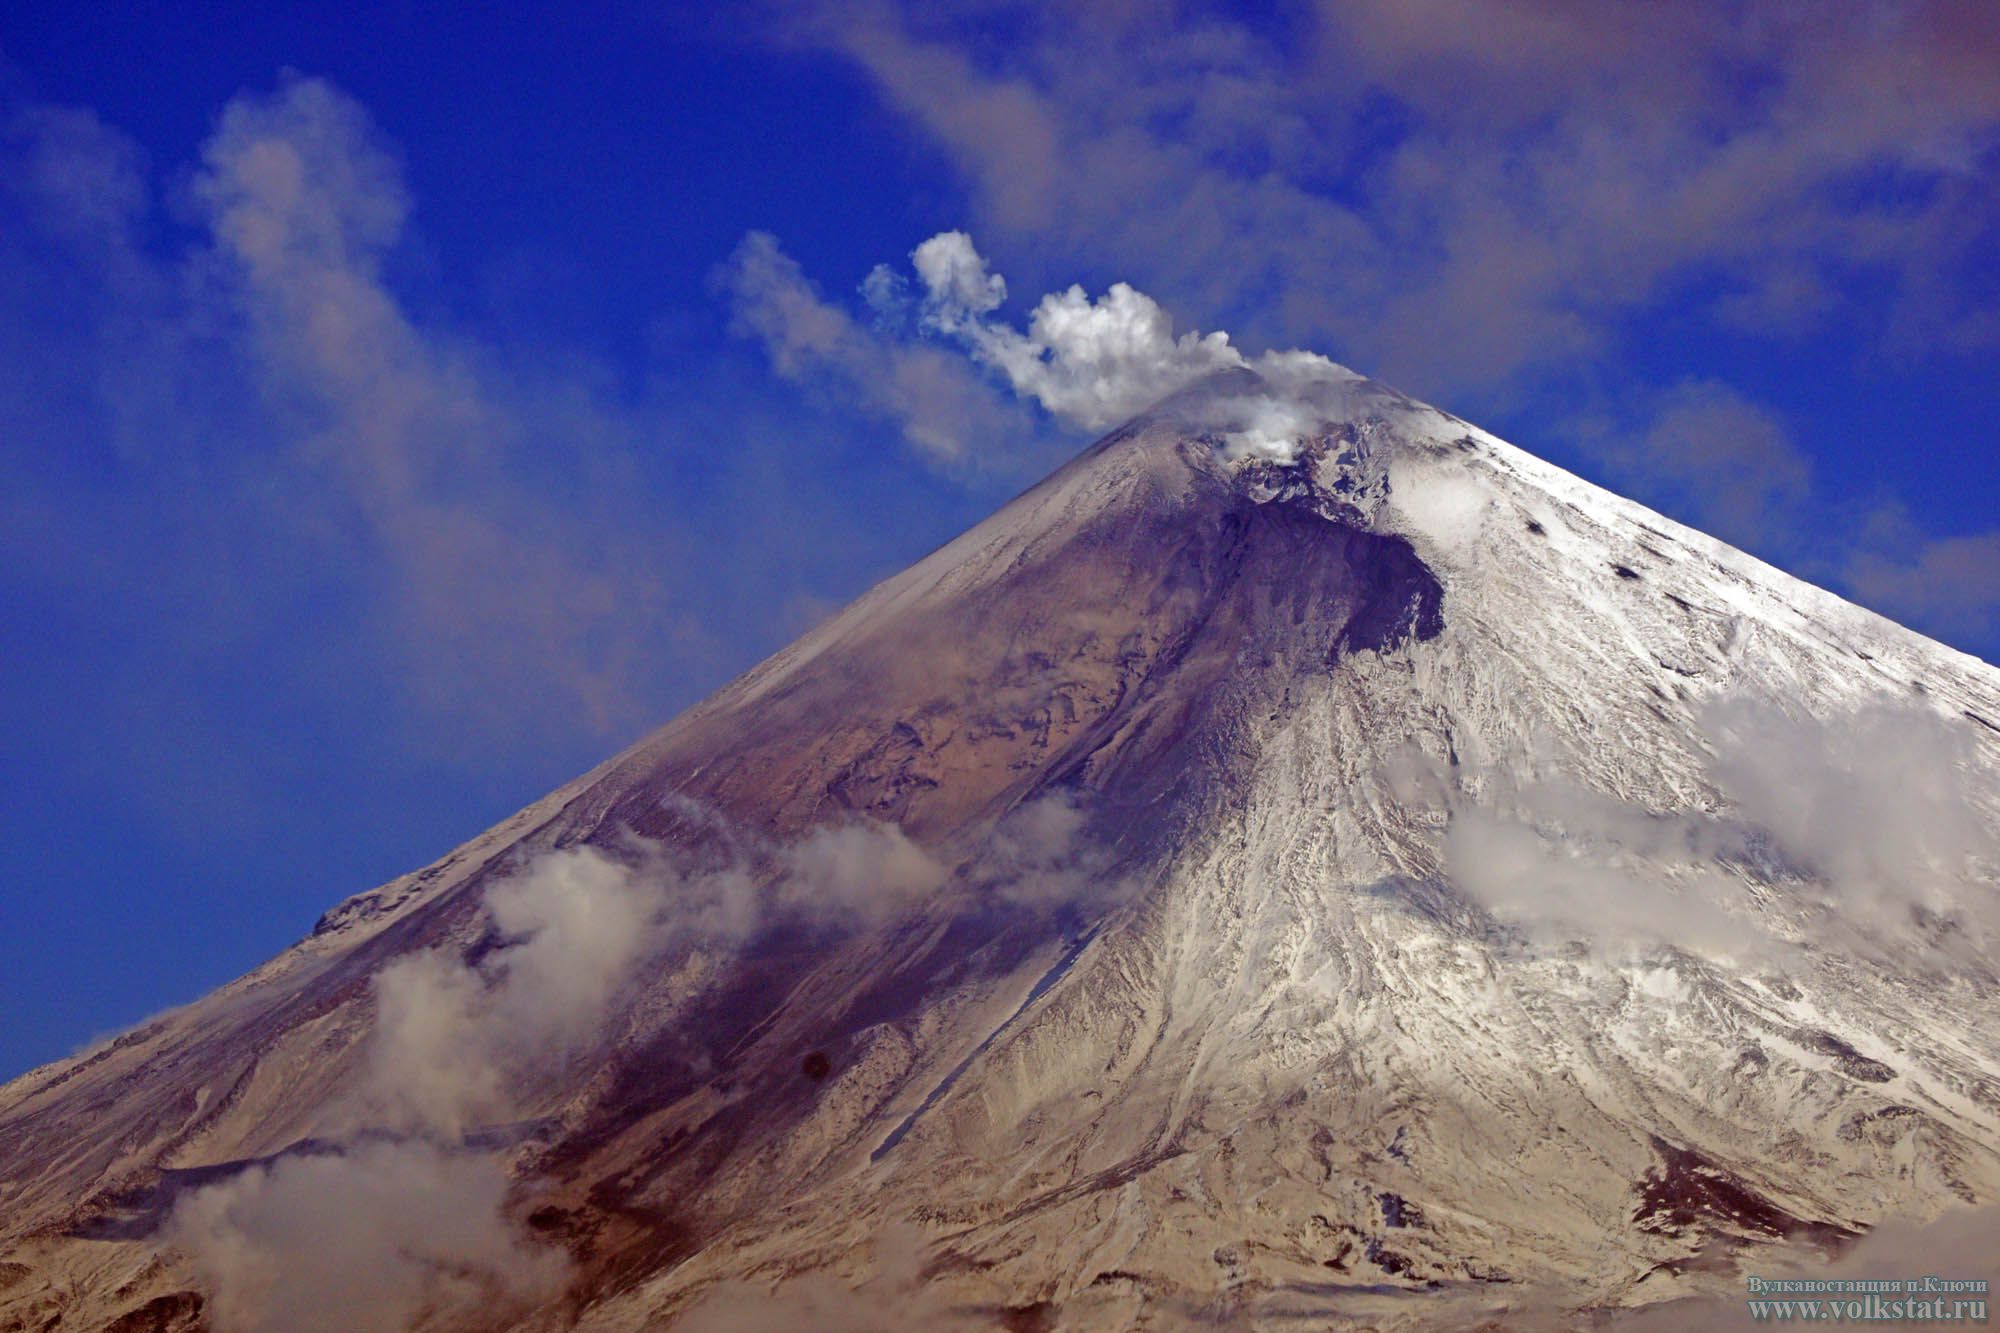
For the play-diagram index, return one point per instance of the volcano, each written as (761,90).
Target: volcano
(1368,877)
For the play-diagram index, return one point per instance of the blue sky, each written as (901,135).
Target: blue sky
(398,416)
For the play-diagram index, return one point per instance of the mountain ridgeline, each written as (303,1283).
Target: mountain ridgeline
(1376,879)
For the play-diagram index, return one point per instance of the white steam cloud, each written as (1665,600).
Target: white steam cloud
(955,278)
(1093,364)
(1090,363)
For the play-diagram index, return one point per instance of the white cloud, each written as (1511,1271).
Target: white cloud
(863,871)
(1874,803)
(582,921)
(943,410)
(1868,813)
(955,278)
(490,1029)
(455,1043)
(1041,857)
(462,1041)
(429,1063)
(1572,864)
(1090,363)
(365,1234)
(373,1237)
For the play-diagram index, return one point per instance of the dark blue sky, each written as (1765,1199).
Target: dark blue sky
(394,419)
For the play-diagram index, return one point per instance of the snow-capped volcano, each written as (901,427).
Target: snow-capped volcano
(1305,859)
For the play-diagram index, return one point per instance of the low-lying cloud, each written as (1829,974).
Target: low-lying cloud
(1569,863)
(408,1214)
(462,1039)
(475,1036)
(367,1238)
(1041,858)
(1863,819)
(453,1040)
(1958,1243)
(860,873)
(1875,805)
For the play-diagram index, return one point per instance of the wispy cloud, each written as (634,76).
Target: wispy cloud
(420,431)
(489,1028)
(1944,585)
(1730,463)
(1089,363)
(1878,806)
(275,418)
(1863,821)
(1566,864)
(1451,192)
(1041,857)
(946,414)
(1526,207)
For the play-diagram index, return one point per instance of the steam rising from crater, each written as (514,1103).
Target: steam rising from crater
(1098,363)
(1090,363)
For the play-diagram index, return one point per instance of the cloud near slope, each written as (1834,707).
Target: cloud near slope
(477,1035)
(1868,820)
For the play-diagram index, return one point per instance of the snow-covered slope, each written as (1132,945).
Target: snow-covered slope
(1369,875)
